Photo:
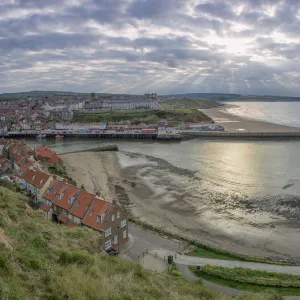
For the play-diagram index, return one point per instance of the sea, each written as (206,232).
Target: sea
(284,113)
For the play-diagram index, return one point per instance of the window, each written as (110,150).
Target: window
(107,232)
(113,217)
(116,240)
(70,200)
(124,234)
(107,244)
(98,219)
(123,223)
(118,215)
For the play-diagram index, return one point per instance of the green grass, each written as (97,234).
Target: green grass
(207,251)
(247,280)
(50,261)
(62,172)
(141,116)
(192,103)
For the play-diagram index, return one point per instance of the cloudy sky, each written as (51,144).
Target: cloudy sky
(139,46)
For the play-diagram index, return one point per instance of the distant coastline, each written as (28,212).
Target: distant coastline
(234,123)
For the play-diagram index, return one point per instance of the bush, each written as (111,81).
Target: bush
(76,257)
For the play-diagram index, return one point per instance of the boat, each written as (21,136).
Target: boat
(59,137)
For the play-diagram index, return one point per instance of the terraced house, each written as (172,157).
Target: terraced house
(73,206)
(36,182)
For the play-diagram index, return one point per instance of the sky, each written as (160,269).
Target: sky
(151,46)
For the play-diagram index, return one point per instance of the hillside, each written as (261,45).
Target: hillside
(141,116)
(41,260)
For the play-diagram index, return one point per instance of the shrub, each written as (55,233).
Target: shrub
(75,257)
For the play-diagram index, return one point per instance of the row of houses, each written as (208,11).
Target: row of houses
(62,202)
(73,206)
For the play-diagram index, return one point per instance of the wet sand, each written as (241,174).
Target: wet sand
(168,196)
(233,123)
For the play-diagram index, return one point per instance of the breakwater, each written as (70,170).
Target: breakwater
(241,135)
(112,147)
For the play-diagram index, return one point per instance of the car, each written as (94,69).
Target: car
(112,252)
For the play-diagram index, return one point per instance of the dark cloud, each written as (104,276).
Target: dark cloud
(164,45)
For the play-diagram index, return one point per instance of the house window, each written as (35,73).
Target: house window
(107,232)
(113,217)
(98,219)
(107,245)
(118,215)
(70,200)
(116,239)
(123,223)
(124,234)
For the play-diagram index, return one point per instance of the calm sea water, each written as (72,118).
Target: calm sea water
(285,113)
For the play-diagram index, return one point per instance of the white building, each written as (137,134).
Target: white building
(80,126)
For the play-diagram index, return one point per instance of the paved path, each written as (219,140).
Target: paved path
(199,261)
(144,239)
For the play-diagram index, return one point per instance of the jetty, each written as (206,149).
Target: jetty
(112,147)
(241,135)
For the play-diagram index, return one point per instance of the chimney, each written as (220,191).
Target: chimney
(54,177)
(82,187)
(114,202)
(98,194)
(64,180)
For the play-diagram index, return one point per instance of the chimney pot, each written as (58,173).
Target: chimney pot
(114,201)
(82,187)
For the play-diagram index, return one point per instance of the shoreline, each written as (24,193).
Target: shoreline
(234,123)
(153,197)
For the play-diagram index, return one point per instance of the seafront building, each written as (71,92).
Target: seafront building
(60,201)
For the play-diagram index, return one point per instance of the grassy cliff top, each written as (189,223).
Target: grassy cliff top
(141,116)
(42,260)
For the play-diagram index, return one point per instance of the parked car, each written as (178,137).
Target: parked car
(112,252)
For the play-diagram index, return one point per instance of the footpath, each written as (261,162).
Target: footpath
(199,261)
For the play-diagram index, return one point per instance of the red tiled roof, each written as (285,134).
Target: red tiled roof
(36,177)
(55,159)
(53,189)
(23,171)
(2,161)
(45,154)
(82,203)
(45,207)
(66,193)
(41,148)
(98,208)
(63,218)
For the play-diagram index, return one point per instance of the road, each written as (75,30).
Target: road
(144,239)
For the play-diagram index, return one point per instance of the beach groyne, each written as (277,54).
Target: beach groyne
(112,147)
(241,135)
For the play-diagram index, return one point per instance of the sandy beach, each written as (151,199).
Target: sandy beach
(233,123)
(167,196)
